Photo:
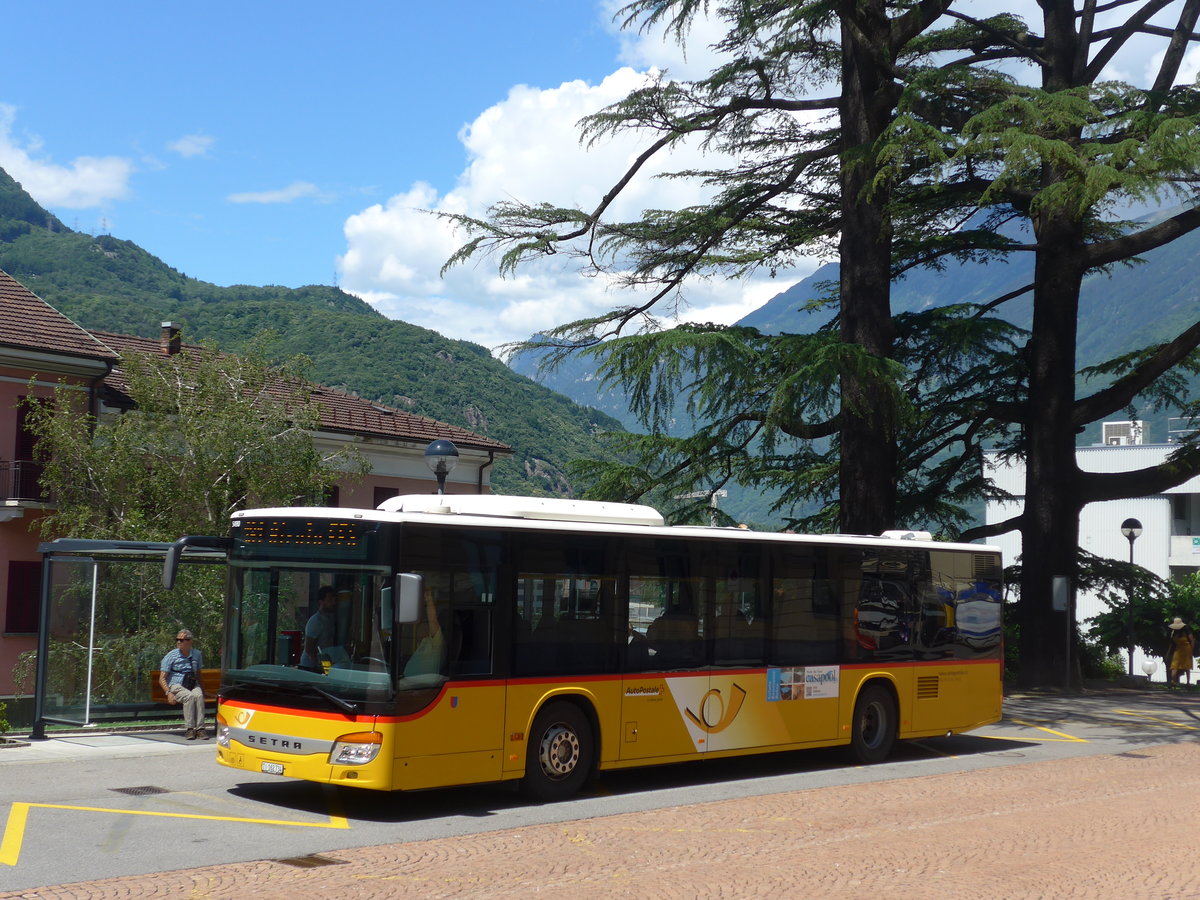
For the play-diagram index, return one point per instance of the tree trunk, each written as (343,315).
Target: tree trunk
(867,477)
(1050,530)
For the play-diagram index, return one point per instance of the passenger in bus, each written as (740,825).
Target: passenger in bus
(431,645)
(179,677)
(637,651)
(321,631)
(676,624)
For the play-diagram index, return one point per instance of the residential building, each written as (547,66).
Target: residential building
(1169,544)
(40,349)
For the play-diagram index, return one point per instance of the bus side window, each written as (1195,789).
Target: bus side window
(675,633)
(569,624)
(473,642)
(804,621)
(739,628)
(470,647)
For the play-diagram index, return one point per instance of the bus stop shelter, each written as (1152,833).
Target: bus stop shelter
(101,610)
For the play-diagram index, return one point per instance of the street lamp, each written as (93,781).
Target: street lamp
(441,456)
(1131,528)
(712,502)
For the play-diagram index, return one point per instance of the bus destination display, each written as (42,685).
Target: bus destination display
(315,537)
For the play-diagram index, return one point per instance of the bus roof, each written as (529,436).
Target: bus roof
(480,509)
(556,509)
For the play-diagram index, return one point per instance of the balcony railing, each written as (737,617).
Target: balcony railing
(20,481)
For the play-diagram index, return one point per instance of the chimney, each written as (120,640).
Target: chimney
(168,342)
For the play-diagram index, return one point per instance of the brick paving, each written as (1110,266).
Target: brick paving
(1119,826)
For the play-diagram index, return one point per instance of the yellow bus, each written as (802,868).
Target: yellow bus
(467,639)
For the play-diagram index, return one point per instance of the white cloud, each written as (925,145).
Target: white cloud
(89,181)
(297,190)
(654,49)
(192,145)
(525,148)
(1189,69)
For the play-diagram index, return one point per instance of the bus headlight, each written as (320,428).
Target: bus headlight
(356,749)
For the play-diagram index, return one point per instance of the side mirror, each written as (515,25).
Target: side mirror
(174,553)
(171,564)
(409,589)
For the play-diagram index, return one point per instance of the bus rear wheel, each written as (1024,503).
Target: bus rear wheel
(560,752)
(873,729)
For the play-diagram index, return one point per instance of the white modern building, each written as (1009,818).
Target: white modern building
(1169,545)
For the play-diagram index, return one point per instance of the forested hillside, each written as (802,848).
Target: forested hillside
(108,284)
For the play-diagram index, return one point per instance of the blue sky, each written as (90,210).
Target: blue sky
(235,140)
(356,103)
(271,143)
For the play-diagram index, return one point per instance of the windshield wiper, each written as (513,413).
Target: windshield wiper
(345,705)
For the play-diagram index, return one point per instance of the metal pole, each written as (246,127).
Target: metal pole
(1129,617)
(39,683)
(1131,528)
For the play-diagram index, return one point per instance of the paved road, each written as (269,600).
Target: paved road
(1090,796)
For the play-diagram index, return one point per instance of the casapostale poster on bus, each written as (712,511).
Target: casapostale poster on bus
(802,683)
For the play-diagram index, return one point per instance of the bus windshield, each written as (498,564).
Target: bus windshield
(320,634)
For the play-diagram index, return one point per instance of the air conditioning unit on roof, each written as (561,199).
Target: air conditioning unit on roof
(1118,434)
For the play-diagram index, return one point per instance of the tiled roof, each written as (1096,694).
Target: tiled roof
(28,322)
(338,410)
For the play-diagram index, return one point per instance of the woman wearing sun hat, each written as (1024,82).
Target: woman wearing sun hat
(1182,647)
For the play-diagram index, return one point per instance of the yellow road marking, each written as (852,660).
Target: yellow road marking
(1007,737)
(1127,712)
(1061,734)
(10,847)
(14,832)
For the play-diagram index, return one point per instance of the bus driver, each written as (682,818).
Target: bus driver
(431,648)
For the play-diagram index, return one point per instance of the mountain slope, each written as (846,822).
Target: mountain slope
(109,284)
(1132,306)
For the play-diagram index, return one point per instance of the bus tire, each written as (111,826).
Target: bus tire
(873,728)
(560,752)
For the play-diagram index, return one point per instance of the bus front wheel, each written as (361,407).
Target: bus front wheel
(559,756)
(873,730)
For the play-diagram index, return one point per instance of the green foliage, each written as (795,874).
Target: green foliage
(3,718)
(209,434)
(1107,143)
(950,363)
(1140,606)
(1097,663)
(19,214)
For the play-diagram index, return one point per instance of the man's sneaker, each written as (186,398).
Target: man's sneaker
(202,734)
(191,734)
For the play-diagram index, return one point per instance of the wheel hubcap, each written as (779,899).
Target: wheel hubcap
(872,725)
(559,751)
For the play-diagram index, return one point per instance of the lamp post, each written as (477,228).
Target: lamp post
(1131,528)
(441,456)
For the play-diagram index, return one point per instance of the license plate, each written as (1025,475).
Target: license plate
(272,768)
